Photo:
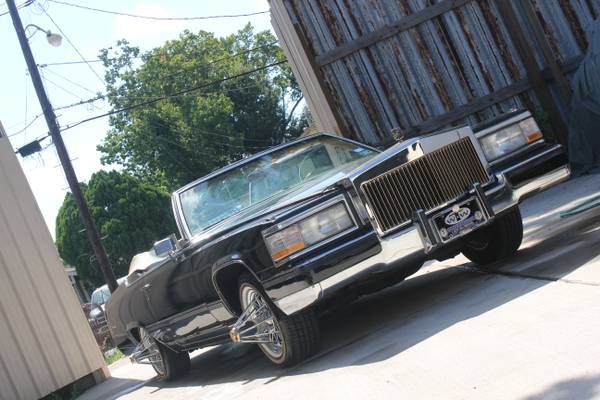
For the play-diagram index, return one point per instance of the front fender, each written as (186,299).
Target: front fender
(225,276)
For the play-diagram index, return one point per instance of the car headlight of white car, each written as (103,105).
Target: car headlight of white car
(512,138)
(308,231)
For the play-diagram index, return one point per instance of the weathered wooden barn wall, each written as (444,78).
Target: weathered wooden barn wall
(45,340)
(419,65)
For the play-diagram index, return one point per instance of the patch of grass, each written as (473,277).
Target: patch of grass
(112,356)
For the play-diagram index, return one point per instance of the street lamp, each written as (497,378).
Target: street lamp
(53,38)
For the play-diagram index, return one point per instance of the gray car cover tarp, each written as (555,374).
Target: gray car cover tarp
(584,124)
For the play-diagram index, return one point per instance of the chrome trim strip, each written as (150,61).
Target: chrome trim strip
(544,153)
(392,248)
(543,182)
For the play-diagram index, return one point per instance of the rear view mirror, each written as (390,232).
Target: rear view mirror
(165,246)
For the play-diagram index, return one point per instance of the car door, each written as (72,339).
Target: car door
(179,294)
(130,305)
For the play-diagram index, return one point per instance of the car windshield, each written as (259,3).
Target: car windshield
(213,200)
(100,296)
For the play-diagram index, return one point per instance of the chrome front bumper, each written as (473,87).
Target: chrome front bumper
(409,243)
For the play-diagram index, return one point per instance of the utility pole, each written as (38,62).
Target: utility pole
(84,211)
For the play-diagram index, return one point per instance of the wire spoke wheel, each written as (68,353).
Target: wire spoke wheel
(152,355)
(264,328)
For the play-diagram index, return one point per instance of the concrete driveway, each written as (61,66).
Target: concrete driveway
(528,331)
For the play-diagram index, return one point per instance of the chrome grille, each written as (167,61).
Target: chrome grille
(424,184)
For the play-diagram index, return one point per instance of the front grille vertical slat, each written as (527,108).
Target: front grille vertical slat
(425,183)
(378,206)
(405,207)
(412,205)
(422,168)
(397,201)
(454,173)
(465,162)
(442,191)
(383,204)
(437,196)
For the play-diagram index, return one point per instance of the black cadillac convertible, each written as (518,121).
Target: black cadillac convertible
(266,241)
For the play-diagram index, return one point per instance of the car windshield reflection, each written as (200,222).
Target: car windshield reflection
(214,200)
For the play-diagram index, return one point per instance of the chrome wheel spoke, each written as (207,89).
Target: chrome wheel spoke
(257,324)
(147,352)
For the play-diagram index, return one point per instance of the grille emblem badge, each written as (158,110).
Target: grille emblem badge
(457,216)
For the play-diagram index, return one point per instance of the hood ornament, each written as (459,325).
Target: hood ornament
(397,134)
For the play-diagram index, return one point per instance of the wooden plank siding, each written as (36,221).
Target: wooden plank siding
(413,64)
(45,340)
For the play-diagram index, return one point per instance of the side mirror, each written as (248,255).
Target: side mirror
(165,246)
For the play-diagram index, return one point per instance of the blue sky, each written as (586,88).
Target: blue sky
(90,32)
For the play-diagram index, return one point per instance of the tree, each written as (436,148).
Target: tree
(183,137)
(130,215)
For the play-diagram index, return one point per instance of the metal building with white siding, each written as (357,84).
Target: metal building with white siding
(45,340)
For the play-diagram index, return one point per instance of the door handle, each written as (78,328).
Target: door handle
(147,286)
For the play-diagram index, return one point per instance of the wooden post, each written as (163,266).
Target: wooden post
(534,73)
(561,82)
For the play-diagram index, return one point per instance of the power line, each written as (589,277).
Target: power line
(69,63)
(241,53)
(26,126)
(80,103)
(174,143)
(178,93)
(103,97)
(157,18)
(229,57)
(71,81)
(44,65)
(26,105)
(74,62)
(81,100)
(22,5)
(60,87)
(73,46)
(158,124)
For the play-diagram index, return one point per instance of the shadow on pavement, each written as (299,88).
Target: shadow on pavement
(380,326)
(585,387)
(112,388)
